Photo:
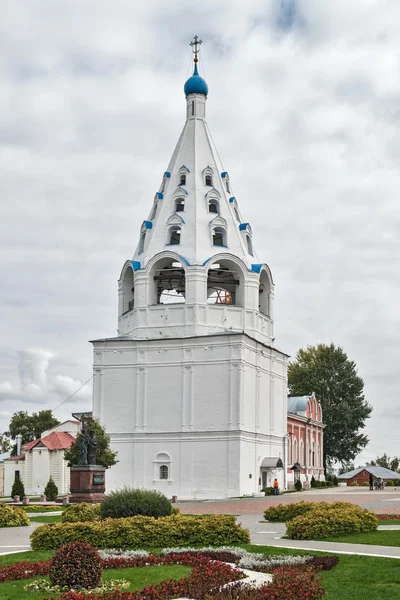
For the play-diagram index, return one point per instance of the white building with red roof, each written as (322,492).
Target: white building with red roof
(41,459)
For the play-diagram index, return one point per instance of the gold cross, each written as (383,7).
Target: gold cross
(196,50)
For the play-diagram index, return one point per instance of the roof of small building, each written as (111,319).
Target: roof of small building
(297,403)
(19,457)
(377,471)
(57,440)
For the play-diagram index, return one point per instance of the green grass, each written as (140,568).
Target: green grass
(46,519)
(139,577)
(390,522)
(375,538)
(10,559)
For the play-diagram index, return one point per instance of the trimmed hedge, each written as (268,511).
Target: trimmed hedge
(77,513)
(284,512)
(331,522)
(44,508)
(130,502)
(140,531)
(12,516)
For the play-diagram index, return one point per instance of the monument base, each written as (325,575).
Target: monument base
(87,484)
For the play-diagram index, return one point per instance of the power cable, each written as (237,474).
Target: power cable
(69,397)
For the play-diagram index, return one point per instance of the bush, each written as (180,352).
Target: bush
(335,480)
(365,484)
(77,513)
(313,483)
(331,522)
(41,507)
(131,502)
(298,486)
(397,482)
(76,564)
(354,484)
(284,512)
(140,531)
(12,516)
(18,488)
(51,490)
(268,491)
(389,483)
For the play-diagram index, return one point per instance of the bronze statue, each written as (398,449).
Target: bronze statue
(92,446)
(87,447)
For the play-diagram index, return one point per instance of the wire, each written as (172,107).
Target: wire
(64,401)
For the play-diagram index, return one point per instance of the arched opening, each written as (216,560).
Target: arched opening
(225,283)
(236,213)
(264,293)
(174,235)
(128,288)
(213,206)
(219,236)
(249,245)
(169,283)
(209,180)
(227,186)
(294,458)
(182,179)
(164,472)
(301,457)
(313,455)
(142,240)
(179,205)
(153,212)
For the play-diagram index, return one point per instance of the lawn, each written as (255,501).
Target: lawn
(139,578)
(46,519)
(375,538)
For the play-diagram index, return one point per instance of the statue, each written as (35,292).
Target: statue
(87,447)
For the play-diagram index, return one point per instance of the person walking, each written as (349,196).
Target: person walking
(371,481)
(276,487)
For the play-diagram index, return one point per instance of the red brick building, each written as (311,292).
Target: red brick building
(306,439)
(361,475)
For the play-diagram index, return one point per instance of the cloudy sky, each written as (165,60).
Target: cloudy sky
(304,106)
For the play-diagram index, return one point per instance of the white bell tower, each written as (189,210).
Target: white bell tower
(193,391)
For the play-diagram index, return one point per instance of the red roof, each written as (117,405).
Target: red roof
(58,440)
(30,445)
(19,457)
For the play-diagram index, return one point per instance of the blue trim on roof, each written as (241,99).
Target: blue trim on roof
(220,246)
(183,190)
(167,174)
(135,265)
(160,195)
(233,199)
(224,174)
(148,224)
(185,260)
(256,268)
(206,261)
(243,226)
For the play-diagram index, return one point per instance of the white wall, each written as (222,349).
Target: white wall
(10,467)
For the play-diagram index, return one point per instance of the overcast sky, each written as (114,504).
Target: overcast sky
(304,107)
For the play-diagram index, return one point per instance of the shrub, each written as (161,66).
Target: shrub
(12,516)
(354,484)
(76,564)
(18,488)
(77,513)
(365,484)
(298,486)
(323,563)
(51,490)
(284,512)
(389,483)
(397,482)
(268,491)
(313,482)
(131,502)
(335,480)
(41,508)
(331,522)
(140,531)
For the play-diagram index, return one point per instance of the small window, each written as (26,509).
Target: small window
(227,186)
(219,237)
(249,245)
(141,242)
(175,236)
(180,205)
(163,472)
(236,213)
(209,180)
(213,206)
(182,179)
(192,107)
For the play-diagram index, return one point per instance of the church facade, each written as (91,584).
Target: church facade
(193,390)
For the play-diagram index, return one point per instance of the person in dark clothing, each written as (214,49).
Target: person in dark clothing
(371,481)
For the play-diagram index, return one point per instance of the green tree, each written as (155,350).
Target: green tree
(346,467)
(104,455)
(328,372)
(29,426)
(18,488)
(5,444)
(385,461)
(51,490)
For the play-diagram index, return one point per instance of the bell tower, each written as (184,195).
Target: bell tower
(193,371)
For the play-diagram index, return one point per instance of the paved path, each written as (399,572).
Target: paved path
(16,539)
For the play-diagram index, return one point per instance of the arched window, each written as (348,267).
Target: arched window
(142,240)
(236,213)
(264,293)
(225,283)
(301,457)
(294,450)
(182,179)
(227,186)
(164,472)
(209,180)
(313,455)
(179,205)
(213,206)
(249,245)
(128,290)
(174,235)
(153,212)
(219,236)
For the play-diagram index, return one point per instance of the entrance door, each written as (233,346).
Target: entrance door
(263,479)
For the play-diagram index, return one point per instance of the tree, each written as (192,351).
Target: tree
(5,444)
(18,488)
(346,467)
(104,455)
(51,490)
(385,461)
(328,372)
(30,427)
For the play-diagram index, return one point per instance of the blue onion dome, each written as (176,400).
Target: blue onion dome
(196,84)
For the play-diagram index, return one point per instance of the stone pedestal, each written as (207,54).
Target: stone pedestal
(87,484)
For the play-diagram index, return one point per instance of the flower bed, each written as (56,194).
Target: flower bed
(140,531)
(388,517)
